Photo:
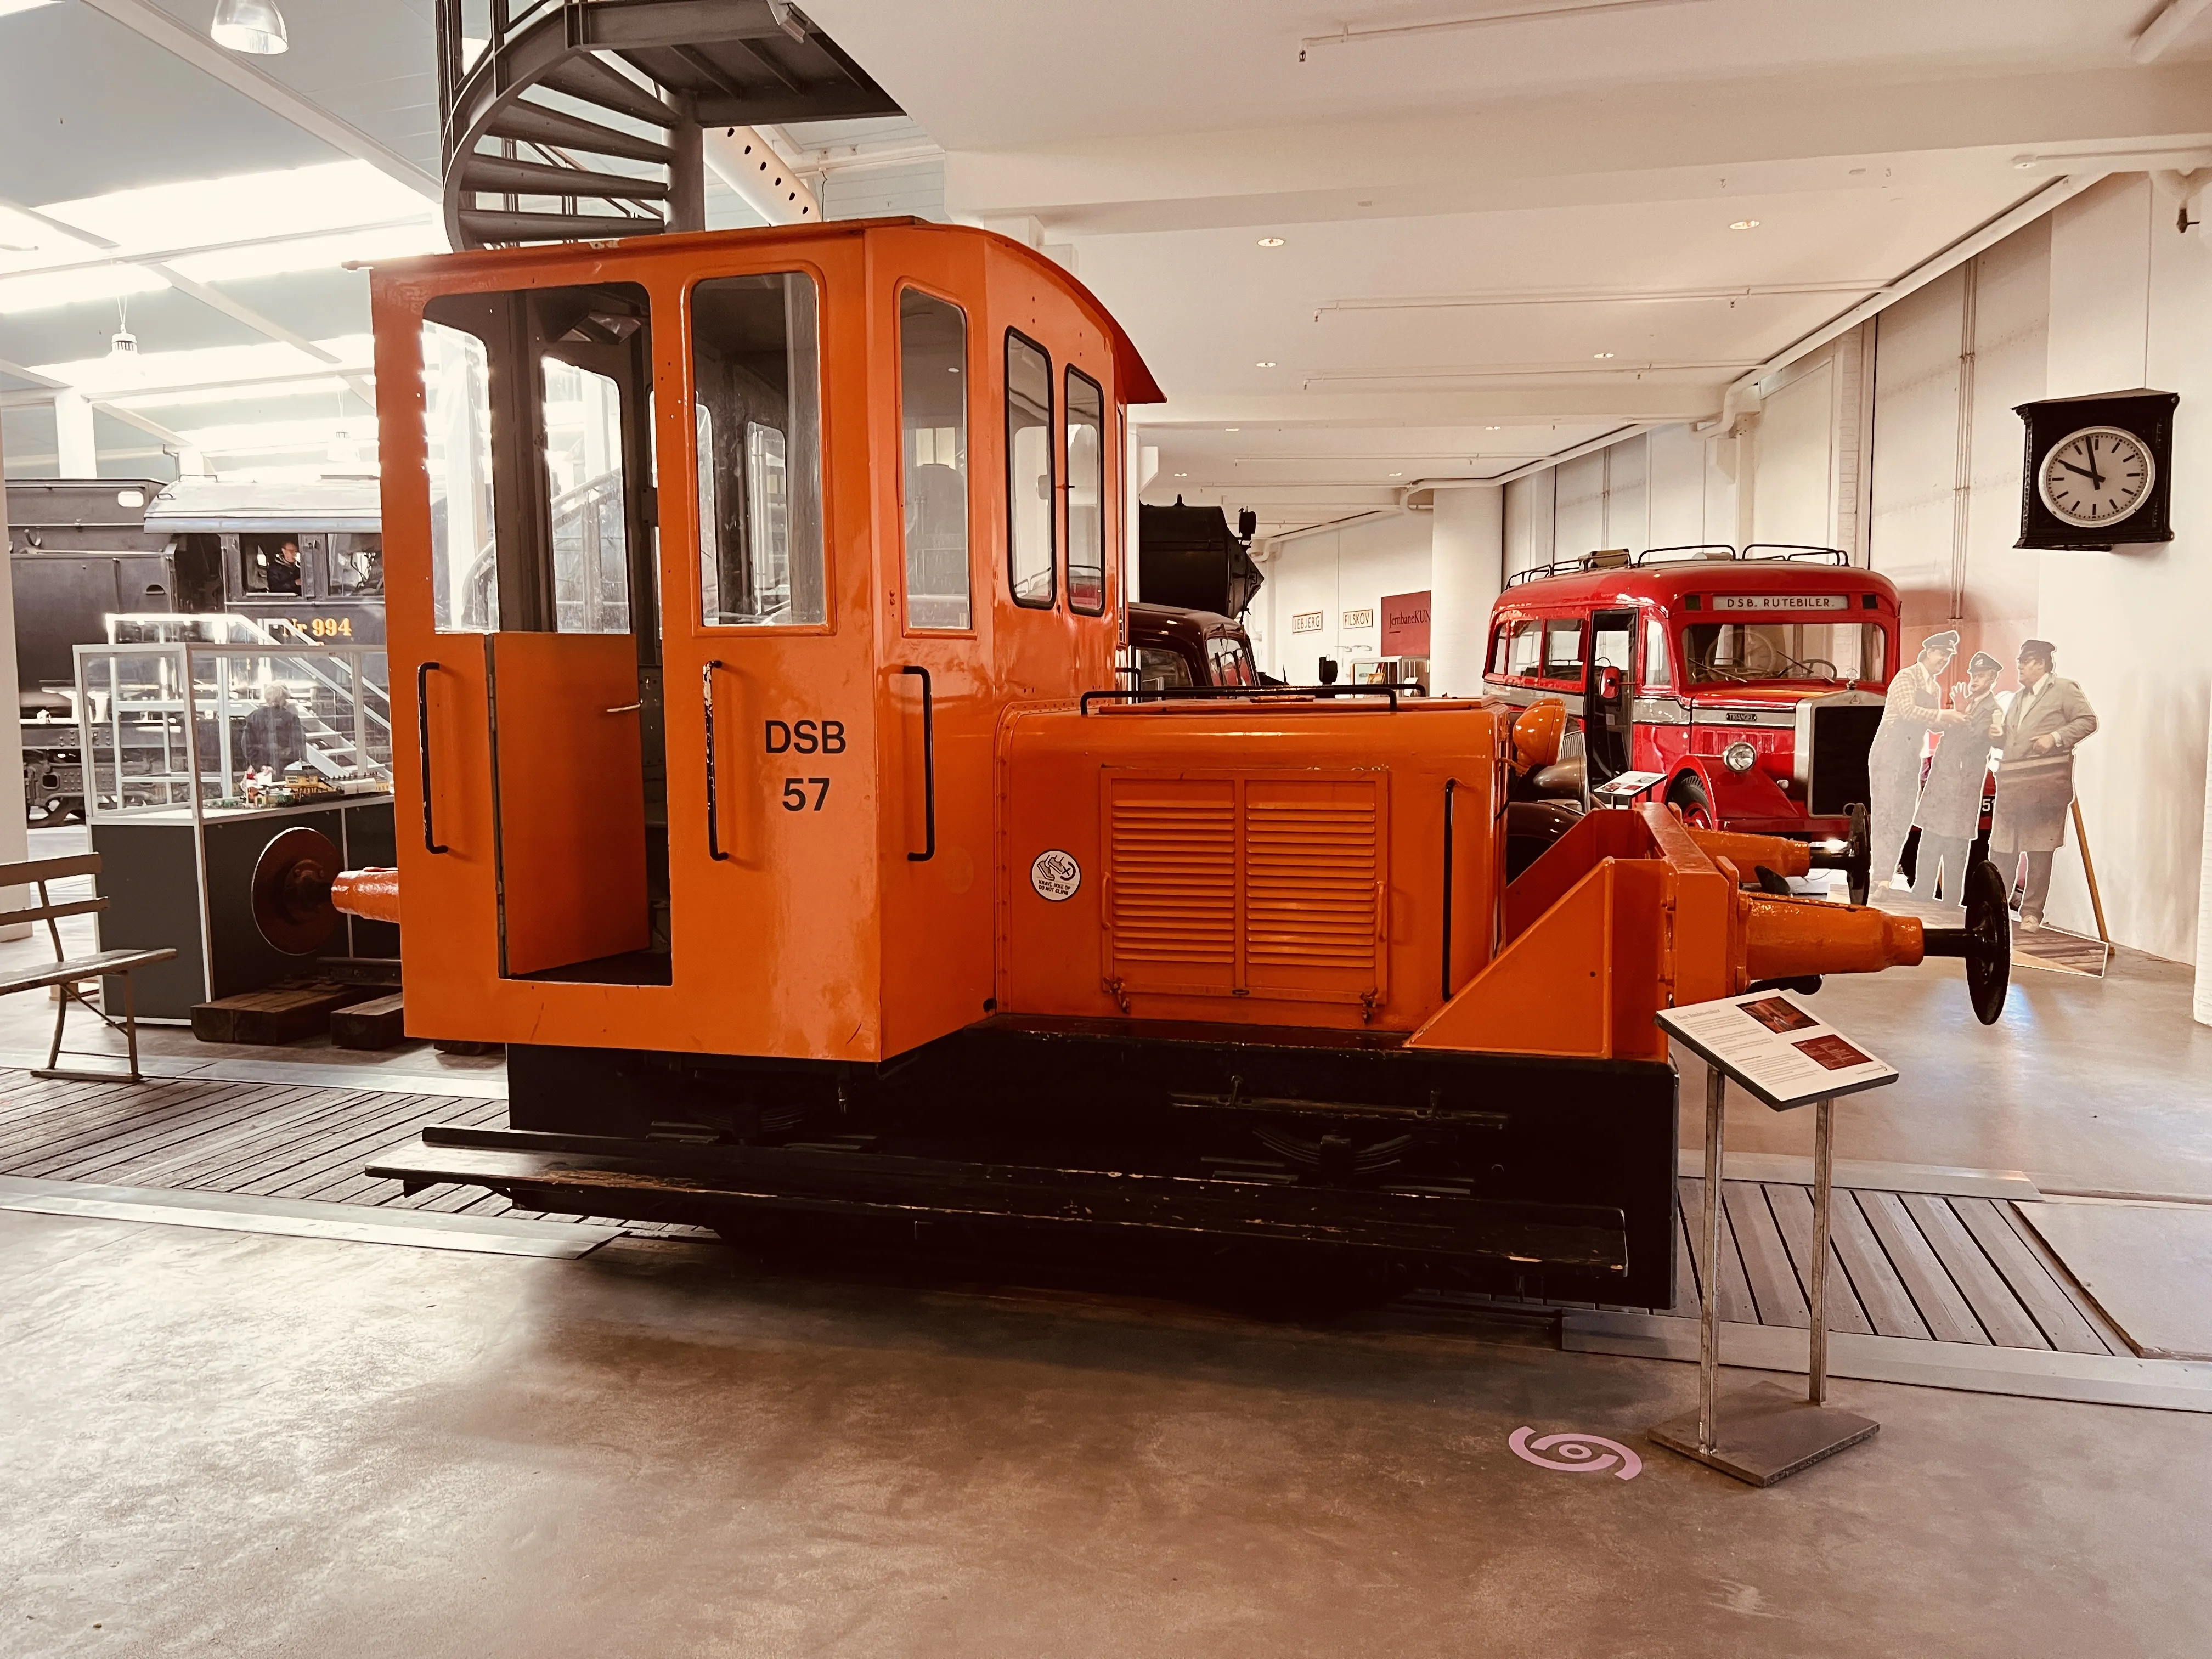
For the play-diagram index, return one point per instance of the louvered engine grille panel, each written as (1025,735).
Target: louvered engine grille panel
(1172,861)
(1309,875)
(1237,885)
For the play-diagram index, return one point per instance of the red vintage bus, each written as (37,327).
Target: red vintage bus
(1746,684)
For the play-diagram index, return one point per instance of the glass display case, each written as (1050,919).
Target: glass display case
(198,750)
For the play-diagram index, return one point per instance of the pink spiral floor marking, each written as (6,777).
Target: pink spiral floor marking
(1575,1453)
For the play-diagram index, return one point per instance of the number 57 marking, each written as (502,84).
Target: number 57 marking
(794,794)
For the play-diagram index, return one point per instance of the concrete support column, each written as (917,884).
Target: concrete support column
(14,836)
(78,447)
(1467,564)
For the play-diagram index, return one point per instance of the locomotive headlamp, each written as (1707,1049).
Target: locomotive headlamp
(1740,756)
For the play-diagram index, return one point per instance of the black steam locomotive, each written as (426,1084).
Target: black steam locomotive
(123,559)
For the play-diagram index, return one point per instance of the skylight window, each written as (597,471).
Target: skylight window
(71,288)
(297,201)
(312,253)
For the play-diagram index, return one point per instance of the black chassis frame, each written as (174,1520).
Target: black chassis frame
(1541,1142)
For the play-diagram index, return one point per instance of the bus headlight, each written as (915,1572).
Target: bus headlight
(1740,756)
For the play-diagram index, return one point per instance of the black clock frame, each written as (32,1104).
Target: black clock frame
(2148,416)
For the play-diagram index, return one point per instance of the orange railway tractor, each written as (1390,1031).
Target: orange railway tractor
(778,811)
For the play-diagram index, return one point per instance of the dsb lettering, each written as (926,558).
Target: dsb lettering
(805,736)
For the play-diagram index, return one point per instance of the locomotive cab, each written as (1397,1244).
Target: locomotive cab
(719,556)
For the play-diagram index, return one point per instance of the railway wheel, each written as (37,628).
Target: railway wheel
(1688,793)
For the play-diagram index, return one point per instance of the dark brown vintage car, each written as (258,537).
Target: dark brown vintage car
(1169,646)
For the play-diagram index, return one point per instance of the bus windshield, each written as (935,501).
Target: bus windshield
(1739,653)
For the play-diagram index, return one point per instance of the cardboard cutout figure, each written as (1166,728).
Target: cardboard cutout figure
(1951,798)
(1915,708)
(2035,775)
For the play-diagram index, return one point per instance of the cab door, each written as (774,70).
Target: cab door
(525,623)
(1608,727)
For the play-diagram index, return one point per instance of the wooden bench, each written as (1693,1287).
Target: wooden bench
(68,973)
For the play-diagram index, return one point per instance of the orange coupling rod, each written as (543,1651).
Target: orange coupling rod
(373,894)
(1782,856)
(1800,939)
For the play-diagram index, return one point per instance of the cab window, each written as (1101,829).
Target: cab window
(1526,650)
(1086,494)
(934,448)
(1609,647)
(1159,669)
(548,389)
(1029,472)
(1563,648)
(356,565)
(756,371)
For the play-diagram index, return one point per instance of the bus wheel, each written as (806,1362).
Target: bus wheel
(1690,795)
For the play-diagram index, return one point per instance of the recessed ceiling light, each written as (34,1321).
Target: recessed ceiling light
(1397,475)
(1269,363)
(1493,428)
(1271,242)
(1182,475)
(1745,224)
(1601,353)
(1232,428)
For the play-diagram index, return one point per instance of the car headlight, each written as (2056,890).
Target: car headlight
(1740,756)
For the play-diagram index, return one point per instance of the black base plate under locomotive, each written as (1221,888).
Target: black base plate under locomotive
(1305,1151)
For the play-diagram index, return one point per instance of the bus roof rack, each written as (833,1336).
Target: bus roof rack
(1685,551)
(1794,550)
(1688,552)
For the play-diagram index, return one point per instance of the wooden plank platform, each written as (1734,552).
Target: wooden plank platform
(286,1141)
(1919,1266)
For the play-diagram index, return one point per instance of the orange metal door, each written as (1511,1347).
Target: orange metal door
(569,783)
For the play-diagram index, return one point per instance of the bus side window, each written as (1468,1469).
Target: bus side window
(1527,650)
(1658,669)
(1563,648)
(1500,643)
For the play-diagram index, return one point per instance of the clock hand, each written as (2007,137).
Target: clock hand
(2086,473)
(2096,478)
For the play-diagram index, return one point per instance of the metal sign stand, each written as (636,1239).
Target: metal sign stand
(1769,1433)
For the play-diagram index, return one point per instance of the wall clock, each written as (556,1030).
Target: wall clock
(2096,473)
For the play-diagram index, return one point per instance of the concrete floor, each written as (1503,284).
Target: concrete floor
(242,1444)
(2086,1085)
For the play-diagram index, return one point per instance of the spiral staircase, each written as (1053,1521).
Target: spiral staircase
(573,120)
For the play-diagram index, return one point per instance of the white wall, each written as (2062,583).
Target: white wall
(1468,542)
(1951,557)
(1333,572)
(2130,296)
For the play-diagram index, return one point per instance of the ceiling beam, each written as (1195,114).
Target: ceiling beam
(144,18)
(2163,30)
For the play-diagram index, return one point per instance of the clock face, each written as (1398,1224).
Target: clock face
(2096,477)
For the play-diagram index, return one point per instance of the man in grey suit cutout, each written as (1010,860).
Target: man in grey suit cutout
(2035,773)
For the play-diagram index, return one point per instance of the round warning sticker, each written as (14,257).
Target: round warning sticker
(1055,876)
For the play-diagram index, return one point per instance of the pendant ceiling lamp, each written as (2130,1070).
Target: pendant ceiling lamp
(252,25)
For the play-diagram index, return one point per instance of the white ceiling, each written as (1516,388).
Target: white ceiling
(1471,214)
(1500,238)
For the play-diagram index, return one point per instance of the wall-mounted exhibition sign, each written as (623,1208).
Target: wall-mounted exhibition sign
(1355,620)
(1306,622)
(1406,624)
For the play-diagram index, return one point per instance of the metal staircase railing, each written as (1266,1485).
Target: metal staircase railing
(579,119)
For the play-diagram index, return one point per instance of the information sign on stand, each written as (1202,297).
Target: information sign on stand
(1787,1056)
(1621,790)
